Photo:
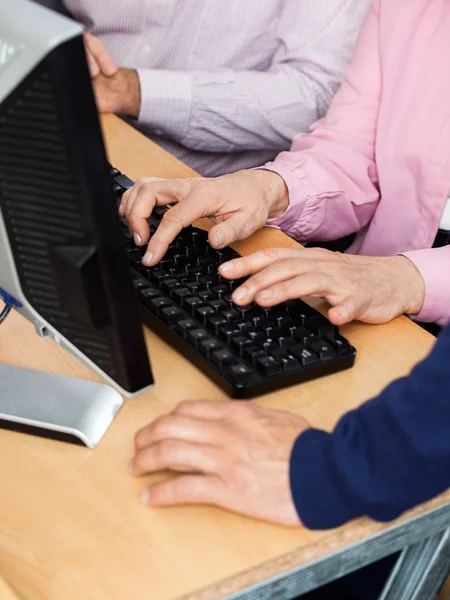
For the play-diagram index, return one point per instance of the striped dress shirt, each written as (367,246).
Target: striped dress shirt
(226,84)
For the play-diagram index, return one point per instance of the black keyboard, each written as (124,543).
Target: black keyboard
(247,350)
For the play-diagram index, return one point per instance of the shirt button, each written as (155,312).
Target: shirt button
(146,49)
(158,132)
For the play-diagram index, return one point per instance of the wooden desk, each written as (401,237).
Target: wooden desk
(71,525)
(6,592)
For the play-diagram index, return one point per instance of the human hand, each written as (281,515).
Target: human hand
(231,455)
(99,59)
(238,205)
(119,93)
(369,289)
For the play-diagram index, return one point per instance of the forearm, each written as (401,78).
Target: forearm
(229,111)
(383,458)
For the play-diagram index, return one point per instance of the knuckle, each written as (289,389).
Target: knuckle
(168,450)
(174,216)
(271,253)
(162,426)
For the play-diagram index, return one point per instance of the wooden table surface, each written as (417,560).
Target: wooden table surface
(71,525)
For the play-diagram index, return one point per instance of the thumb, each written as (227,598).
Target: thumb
(231,229)
(103,58)
(346,311)
(94,69)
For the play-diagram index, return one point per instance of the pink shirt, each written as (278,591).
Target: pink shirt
(379,163)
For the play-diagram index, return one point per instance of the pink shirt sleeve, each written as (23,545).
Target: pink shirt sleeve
(434,265)
(331,173)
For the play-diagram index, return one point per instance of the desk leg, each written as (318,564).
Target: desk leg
(421,570)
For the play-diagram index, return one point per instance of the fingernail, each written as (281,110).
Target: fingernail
(240,293)
(131,467)
(137,239)
(265,294)
(146,496)
(148,257)
(121,209)
(219,239)
(226,267)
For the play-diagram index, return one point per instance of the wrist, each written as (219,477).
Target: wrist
(411,285)
(274,191)
(131,86)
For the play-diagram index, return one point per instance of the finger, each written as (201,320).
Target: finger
(185,489)
(94,69)
(280,270)
(203,410)
(176,455)
(231,229)
(346,311)
(104,59)
(148,192)
(175,426)
(307,284)
(186,212)
(247,265)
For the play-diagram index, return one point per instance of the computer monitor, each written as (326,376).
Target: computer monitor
(63,263)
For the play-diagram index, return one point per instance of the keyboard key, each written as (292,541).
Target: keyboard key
(194,286)
(204,313)
(214,323)
(156,304)
(230,314)
(286,342)
(171,315)
(123,181)
(341,345)
(186,325)
(146,294)
(290,363)
(218,305)
(223,358)
(239,343)
(241,374)
(280,353)
(256,336)
(324,350)
(158,275)
(209,345)
(140,282)
(169,284)
(195,336)
(228,331)
(305,356)
(220,290)
(192,304)
(180,293)
(206,296)
(252,353)
(269,366)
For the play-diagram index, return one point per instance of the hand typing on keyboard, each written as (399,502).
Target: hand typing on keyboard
(369,289)
(238,204)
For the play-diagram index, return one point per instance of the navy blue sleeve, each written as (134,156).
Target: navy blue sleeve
(383,458)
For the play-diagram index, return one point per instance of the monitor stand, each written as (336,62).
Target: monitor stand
(56,407)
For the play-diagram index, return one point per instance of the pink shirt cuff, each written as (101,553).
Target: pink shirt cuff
(166,99)
(290,222)
(434,265)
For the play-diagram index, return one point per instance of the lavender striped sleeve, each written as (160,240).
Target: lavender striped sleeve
(224,110)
